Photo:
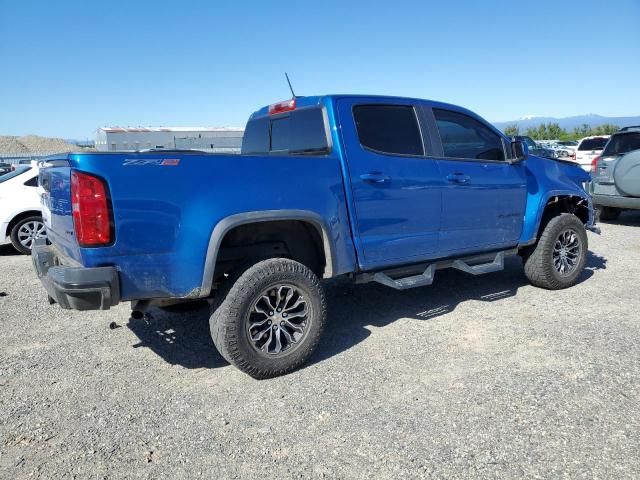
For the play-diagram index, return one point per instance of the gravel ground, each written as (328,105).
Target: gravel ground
(482,377)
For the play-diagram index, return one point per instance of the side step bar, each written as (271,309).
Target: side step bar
(495,266)
(408,278)
(421,280)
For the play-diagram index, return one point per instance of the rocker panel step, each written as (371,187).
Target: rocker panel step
(495,266)
(492,263)
(421,280)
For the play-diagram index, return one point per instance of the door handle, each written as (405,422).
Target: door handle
(458,178)
(375,177)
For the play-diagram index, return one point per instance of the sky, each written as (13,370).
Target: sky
(68,67)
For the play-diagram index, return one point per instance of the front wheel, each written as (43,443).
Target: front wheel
(25,232)
(271,319)
(558,258)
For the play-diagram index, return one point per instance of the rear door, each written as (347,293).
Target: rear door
(395,184)
(484,197)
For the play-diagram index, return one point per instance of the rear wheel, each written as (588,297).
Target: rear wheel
(270,318)
(558,258)
(25,232)
(608,213)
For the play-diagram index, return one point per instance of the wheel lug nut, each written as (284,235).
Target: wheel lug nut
(269,322)
(275,327)
(279,309)
(284,315)
(270,313)
(282,324)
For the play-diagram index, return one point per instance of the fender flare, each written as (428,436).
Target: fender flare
(228,223)
(561,193)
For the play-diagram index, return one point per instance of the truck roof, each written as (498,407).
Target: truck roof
(322,99)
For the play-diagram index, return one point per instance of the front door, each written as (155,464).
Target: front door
(484,198)
(395,183)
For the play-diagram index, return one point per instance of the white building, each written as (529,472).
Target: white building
(226,139)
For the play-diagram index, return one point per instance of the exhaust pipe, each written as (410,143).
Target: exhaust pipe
(138,309)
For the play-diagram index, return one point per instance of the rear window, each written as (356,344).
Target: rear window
(301,132)
(621,144)
(593,143)
(389,129)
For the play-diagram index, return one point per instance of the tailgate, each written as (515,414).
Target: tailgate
(55,197)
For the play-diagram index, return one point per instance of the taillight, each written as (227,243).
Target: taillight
(281,107)
(90,209)
(594,164)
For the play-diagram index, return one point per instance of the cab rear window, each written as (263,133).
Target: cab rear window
(621,144)
(300,132)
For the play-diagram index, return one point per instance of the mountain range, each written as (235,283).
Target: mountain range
(569,123)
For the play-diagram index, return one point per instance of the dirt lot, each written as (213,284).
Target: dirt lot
(473,377)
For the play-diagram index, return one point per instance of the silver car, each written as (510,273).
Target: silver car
(615,184)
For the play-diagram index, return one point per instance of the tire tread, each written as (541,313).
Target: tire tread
(224,324)
(538,268)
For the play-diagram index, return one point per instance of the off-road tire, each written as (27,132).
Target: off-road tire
(538,264)
(228,323)
(608,213)
(13,235)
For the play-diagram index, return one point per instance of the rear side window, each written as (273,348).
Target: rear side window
(391,129)
(33,182)
(466,137)
(621,144)
(593,143)
(301,132)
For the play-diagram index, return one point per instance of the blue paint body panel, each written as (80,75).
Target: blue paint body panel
(164,215)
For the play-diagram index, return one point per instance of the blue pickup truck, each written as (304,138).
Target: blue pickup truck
(379,189)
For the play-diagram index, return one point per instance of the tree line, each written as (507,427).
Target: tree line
(553,131)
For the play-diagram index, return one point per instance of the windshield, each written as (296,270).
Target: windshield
(10,175)
(597,143)
(622,143)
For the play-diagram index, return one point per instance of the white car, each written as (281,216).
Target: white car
(589,148)
(565,148)
(20,212)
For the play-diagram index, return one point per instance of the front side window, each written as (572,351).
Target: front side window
(391,129)
(465,137)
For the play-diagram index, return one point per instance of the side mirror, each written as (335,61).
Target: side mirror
(520,151)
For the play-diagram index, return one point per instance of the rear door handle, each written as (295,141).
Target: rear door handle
(458,178)
(375,177)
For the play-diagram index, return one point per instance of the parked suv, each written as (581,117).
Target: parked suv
(616,174)
(588,149)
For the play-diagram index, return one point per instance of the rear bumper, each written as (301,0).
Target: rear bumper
(76,288)
(617,201)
